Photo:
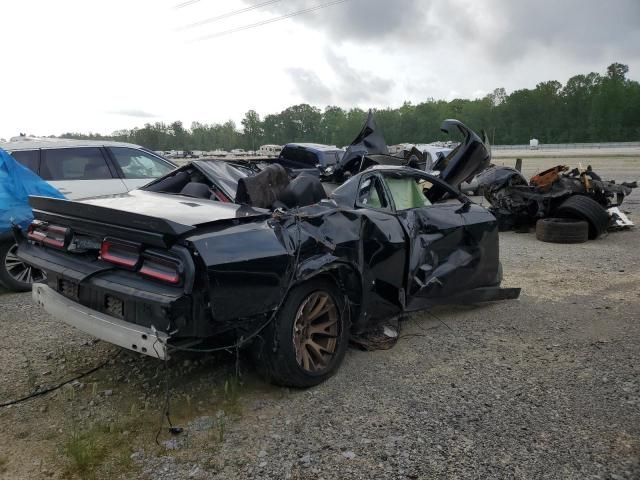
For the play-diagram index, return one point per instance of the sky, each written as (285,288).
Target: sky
(98,66)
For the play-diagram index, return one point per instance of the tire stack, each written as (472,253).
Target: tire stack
(578,219)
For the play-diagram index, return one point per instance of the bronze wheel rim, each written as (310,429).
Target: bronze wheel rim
(315,332)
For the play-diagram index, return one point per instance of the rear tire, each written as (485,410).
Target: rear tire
(582,207)
(14,273)
(307,341)
(562,230)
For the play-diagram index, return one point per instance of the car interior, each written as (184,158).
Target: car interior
(270,188)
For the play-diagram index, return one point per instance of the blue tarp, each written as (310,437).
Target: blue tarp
(17,182)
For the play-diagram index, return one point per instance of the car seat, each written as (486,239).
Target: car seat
(263,189)
(304,190)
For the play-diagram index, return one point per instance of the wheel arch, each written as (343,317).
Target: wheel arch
(345,276)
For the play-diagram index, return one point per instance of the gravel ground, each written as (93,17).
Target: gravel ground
(547,386)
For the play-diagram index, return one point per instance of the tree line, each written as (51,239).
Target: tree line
(588,108)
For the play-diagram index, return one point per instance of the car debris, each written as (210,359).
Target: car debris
(557,192)
(369,141)
(459,165)
(214,253)
(619,220)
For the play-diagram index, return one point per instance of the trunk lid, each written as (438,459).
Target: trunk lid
(150,217)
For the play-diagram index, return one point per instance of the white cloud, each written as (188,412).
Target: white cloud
(75,65)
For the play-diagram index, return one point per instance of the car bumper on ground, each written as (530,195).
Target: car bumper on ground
(133,337)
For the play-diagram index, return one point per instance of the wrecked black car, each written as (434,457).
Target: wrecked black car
(556,192)
(212,252)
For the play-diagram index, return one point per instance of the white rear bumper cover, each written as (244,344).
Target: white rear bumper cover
(134,337)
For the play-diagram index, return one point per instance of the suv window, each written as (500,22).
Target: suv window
(371,194)
(87,163)
(300,155)
(138,164)
(28,158)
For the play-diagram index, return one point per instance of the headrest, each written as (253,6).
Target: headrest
(264,188)
(303,190)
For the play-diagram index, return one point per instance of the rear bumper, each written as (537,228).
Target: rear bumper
(127,335)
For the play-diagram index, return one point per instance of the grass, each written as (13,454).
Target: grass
(85,452)
(103,450)
(231,395)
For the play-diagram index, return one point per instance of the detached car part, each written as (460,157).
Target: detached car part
(587,209)
(562,230)
(461,164)
(516,202)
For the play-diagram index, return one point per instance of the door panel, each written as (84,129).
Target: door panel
(441,254)
(78,189)
(453,248)
(383,250)
(132,184)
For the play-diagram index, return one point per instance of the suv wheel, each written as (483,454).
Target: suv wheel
(14,273)
(307,341)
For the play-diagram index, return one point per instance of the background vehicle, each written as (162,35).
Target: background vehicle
(84,168)
(309,156)
(269,150)
(78,169)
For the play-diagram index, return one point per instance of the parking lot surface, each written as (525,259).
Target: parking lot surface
(547,386)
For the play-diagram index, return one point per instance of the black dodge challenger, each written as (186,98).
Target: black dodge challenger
(219,253)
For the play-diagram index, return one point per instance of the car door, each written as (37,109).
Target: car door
(80,172)
(383,246)
(448,248)
(137,167)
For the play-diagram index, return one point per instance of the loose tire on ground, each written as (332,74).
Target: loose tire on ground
(307,341)
(562,230)
(582,207)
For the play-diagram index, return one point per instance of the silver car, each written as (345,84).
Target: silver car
(78,169)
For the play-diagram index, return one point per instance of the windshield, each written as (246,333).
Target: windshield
(224,174)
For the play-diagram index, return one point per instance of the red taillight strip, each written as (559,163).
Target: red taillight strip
(39,232)
(128,257)
(161,268)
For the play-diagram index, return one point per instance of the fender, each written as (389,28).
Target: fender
(345,273)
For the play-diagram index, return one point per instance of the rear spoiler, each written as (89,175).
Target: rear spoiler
(86,218)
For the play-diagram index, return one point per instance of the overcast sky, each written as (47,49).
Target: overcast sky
(103,65)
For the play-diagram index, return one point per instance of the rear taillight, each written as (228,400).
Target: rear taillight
(161,267)
(121,253)
(51,235)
